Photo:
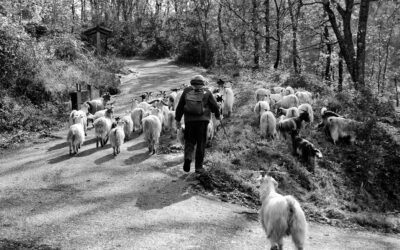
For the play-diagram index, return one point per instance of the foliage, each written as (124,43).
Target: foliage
(195,52)
(161,48)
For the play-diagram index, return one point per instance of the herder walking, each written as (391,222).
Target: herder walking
(196,103)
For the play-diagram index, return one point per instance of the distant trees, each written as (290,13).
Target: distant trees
(304,36)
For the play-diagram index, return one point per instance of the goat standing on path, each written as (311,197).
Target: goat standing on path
(281,216)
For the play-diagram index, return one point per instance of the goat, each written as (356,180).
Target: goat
(76,134)
(342,128)
(288,91)
(281,216)
(102,127)
(227,105)
(274,98)
(262,93)
(304,97)
(152,130)
(306,151)
(117,136)
(171,100)
(278,90)
(137,116)
(177,98)
(307,107)
(289,113)
(325,114)
(260,108)
(128,125)
(268,125)
(287,101)
(292,125)
(83,113)
(98,104)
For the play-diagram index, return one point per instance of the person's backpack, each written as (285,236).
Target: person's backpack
(194,102)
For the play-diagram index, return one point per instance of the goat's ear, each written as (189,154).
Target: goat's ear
(275,182)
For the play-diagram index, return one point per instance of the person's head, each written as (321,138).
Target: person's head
(198,80)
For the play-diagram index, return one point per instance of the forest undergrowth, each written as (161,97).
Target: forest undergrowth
(352,186)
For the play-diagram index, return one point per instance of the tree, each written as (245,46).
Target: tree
(355,60)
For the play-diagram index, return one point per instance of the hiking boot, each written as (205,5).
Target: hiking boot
(186,165)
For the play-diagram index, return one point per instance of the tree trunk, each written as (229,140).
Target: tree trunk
(243,35)
(294,19)
(83,10)
(278,36)
(397,92)
(256,59)
(73,15)
(267,33)
(361,35)
(329,52)
(340,73)
(386,58)
(221,32)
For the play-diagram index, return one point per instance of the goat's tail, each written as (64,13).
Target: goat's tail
(297,224)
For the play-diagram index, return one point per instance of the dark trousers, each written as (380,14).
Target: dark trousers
(195,134)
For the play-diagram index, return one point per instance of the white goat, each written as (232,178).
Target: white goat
(281,216)
(274,98)
(342,128)
(137,116)
(262,93)
(268,125)
(117,136)
(177,98)
(152,130)
(172,99)
(169,121)
(128,125)
(102,128)
(82,112)
(304,97)
(290,112)
(278,90)
(289,91)
(76,134)
(307,107)
(227,105)
(287,101)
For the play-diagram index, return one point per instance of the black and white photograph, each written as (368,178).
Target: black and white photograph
(199,124)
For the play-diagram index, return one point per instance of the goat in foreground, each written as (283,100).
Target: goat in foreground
(281,216)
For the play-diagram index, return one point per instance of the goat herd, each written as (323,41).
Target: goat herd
(152,116)
(293,110)
(156,115)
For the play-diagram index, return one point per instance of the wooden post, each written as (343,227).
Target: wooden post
(98,42)
(397,91)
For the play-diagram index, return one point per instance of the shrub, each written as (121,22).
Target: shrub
(33,90)
(161,48)
(67,50)
(196,52)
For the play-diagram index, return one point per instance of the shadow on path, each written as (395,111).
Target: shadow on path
(138,158)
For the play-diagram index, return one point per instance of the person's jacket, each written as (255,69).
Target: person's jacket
(209,104)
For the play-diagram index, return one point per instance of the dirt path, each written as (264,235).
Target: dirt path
(133,201)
